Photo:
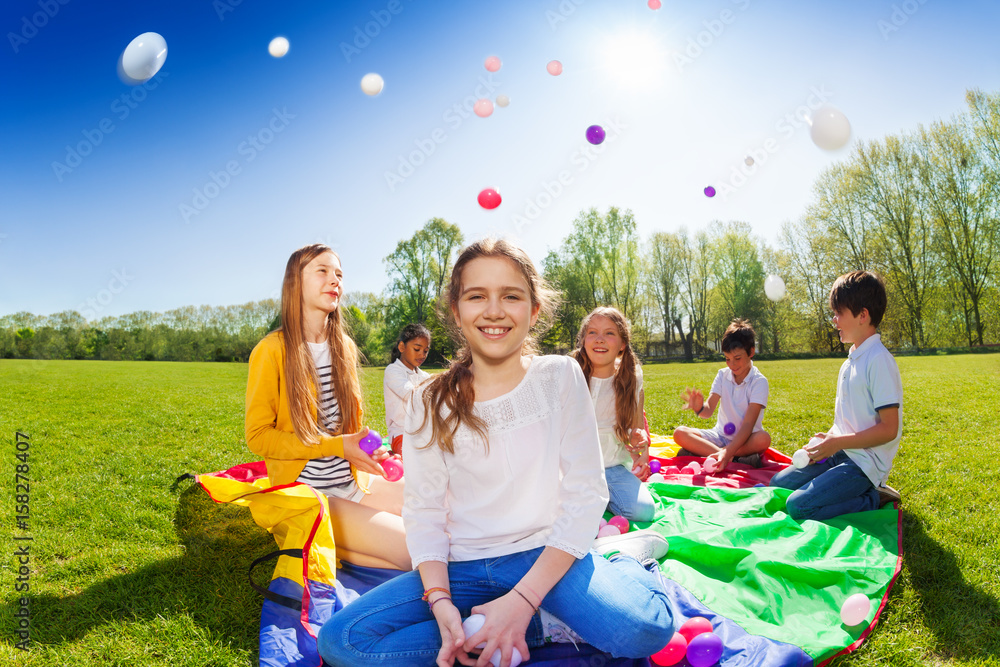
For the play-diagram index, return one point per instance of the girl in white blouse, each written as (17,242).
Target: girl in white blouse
(614,377)
(402,376)
(504,492)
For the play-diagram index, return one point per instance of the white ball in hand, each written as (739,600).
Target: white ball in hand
(472,625)
(800,459)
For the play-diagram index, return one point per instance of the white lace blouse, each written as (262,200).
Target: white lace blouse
(541,482)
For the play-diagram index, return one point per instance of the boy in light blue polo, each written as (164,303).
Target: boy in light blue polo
(849,465)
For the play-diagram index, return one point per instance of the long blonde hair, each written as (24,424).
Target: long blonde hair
(300,371)
(453,391)
(626,382)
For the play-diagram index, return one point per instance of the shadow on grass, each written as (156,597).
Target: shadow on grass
(964,619)
(208,583)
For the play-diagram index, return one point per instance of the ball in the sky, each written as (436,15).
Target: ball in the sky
(144,56)
(774,288)
(372,84)
(830,128)
(278,47)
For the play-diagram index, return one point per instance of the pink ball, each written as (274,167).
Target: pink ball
(483,108)
(603,523)
(554,67)
(694,627)
(654,4)
(710,466)
(619,522)
(489,198)
(608,531)
(672,653)
(492,64)
(669,470)
(393,469)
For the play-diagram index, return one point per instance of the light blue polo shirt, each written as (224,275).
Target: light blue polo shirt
(869,380)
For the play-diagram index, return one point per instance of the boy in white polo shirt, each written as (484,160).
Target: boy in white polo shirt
(740,392)
(849,464)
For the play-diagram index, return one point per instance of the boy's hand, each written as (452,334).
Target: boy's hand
(693,398)
(823,448)
(723,458)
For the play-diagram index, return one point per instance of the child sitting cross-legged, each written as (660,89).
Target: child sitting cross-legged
(740,393)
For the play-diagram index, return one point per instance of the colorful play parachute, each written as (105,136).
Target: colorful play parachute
(771,586)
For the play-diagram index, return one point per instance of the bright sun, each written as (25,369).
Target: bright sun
(634,59)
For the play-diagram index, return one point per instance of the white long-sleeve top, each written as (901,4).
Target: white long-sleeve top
(540,483)
(397,385)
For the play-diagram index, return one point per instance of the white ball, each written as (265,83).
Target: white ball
(855,609)
(144,56)
(656,477)
(472,625)
(372,84)
(502,100)
(748,161)
(278,47)
(830,128)
(774,288)
(800,459)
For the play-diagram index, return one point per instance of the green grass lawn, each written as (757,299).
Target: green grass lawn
(129,568)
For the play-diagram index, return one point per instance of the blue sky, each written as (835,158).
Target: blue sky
(685,94)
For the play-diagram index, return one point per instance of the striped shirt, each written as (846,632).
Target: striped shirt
(330,474)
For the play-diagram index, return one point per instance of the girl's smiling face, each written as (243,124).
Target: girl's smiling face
(322,283)
(603,343)
(494,309)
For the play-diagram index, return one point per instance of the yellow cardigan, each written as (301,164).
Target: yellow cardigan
(268,426)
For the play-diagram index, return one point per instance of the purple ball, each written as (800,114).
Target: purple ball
(704,650)
(729,428)
(710,191)
(654,466)
(595,134)
(370,442)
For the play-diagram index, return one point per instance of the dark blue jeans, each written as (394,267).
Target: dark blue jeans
(828,489)
(617,606)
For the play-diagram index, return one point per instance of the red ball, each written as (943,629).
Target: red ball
(672,653)
(619,522)
(489,198)
(694,627)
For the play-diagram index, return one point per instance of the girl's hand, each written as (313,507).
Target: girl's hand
(693,397)
(507,620)
(357,456)
(638,439)
(452,636)
(640,464)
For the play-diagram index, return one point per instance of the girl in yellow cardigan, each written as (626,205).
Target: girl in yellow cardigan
(304,416)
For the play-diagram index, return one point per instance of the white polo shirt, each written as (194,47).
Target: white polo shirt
(736,398)
(869,380)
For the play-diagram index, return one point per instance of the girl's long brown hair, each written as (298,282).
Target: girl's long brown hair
(452,392)
(299,367)
(625,383)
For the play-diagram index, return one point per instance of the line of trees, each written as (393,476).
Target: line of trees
(921,208)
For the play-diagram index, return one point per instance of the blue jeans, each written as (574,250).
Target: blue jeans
(617,606)
(828,489)
(629,498)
